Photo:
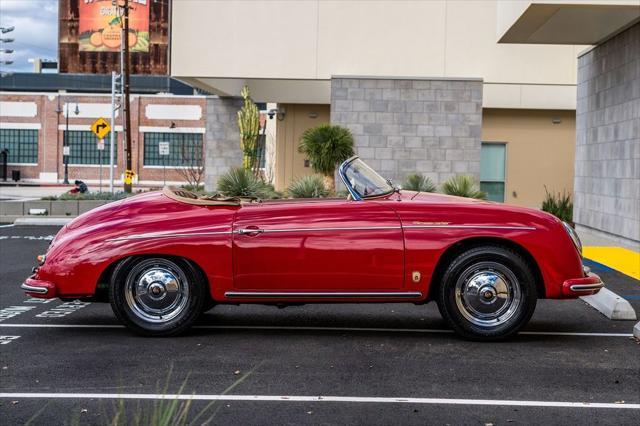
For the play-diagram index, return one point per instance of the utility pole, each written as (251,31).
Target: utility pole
(124,41)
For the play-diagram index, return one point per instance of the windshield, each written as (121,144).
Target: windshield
(364,181)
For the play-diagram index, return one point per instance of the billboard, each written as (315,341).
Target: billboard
(89,36)
(100,27)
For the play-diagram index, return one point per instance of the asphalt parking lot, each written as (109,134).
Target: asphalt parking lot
(316,364)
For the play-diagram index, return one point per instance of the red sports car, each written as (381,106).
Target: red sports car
(162,258)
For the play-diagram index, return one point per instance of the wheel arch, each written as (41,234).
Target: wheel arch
(104,280)
(463,245)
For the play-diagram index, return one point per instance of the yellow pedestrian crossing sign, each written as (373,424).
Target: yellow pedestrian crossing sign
(100,128)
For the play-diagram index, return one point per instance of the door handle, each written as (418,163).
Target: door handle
(250,231)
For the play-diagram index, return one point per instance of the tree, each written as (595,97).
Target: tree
(249,125)
(192,162)
(327,146)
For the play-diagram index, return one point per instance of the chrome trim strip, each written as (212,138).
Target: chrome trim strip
(177,235)
(346,228)
(33,289)
(586,287)
(524,228)
(319,229)
(319,295)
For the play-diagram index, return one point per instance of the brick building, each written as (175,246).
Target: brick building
(33,126)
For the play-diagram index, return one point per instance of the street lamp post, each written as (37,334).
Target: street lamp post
(66,149)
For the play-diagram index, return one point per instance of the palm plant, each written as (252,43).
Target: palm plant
(419,183)
(240,182)
(308,187)
(558,204)
(463,186)
(326,146)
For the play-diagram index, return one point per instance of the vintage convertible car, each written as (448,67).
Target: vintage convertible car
(163,258)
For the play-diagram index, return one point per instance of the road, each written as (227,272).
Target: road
(388,363)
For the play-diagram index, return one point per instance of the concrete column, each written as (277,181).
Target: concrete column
(409,125)
(222,139)
(607,172)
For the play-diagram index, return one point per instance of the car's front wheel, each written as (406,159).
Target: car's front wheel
(157,296)
(487,293)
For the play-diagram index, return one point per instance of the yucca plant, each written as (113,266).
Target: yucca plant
(326,146)
(463,186)
(240,182)
(308,187)
(418,182)
(558,204)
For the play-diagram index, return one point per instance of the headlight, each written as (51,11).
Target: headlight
(574,237)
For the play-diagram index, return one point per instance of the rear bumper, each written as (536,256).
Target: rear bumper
(591,284)
(39,288)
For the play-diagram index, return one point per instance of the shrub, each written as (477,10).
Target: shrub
(326,146)
(240,182)
(558,204)
(418,182)
(308,187)
(463,186)
(108,196)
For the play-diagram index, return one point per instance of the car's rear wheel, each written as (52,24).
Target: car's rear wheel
(157,296)
(487,293)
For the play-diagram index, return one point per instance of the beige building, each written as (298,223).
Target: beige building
(426,86)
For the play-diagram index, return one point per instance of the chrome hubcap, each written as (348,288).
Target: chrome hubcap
(488,294)
(157,290)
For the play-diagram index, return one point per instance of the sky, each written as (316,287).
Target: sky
(36,33)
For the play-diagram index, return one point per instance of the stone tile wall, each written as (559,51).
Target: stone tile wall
(402,126)
(222,139)
(607,172)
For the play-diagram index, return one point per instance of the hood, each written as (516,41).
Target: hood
(444,207)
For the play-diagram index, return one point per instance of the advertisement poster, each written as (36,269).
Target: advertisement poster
(100,26)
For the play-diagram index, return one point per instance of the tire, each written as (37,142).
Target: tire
(157,296)
(208,305)
(487,293)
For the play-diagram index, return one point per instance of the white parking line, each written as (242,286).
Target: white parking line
(27,237)
(294,398)
(5,340)
(302,328)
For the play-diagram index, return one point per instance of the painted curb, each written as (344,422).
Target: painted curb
(636,331)
(611,305)
(46,221)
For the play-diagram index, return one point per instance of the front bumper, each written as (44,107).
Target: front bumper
(585,286)
(39,288)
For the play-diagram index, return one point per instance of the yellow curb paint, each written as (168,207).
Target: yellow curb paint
(618,258)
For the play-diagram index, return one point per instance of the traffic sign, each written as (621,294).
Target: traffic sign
(129,175)
(100,128)
(100,144)
(164,148)
(66,150)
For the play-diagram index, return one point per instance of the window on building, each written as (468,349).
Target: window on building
(83,148)
(22,145)
(261,151)
(185,149)
(492,170)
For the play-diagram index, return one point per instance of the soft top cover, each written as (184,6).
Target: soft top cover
(184,196)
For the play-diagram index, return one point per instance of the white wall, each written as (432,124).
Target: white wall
(313,40)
